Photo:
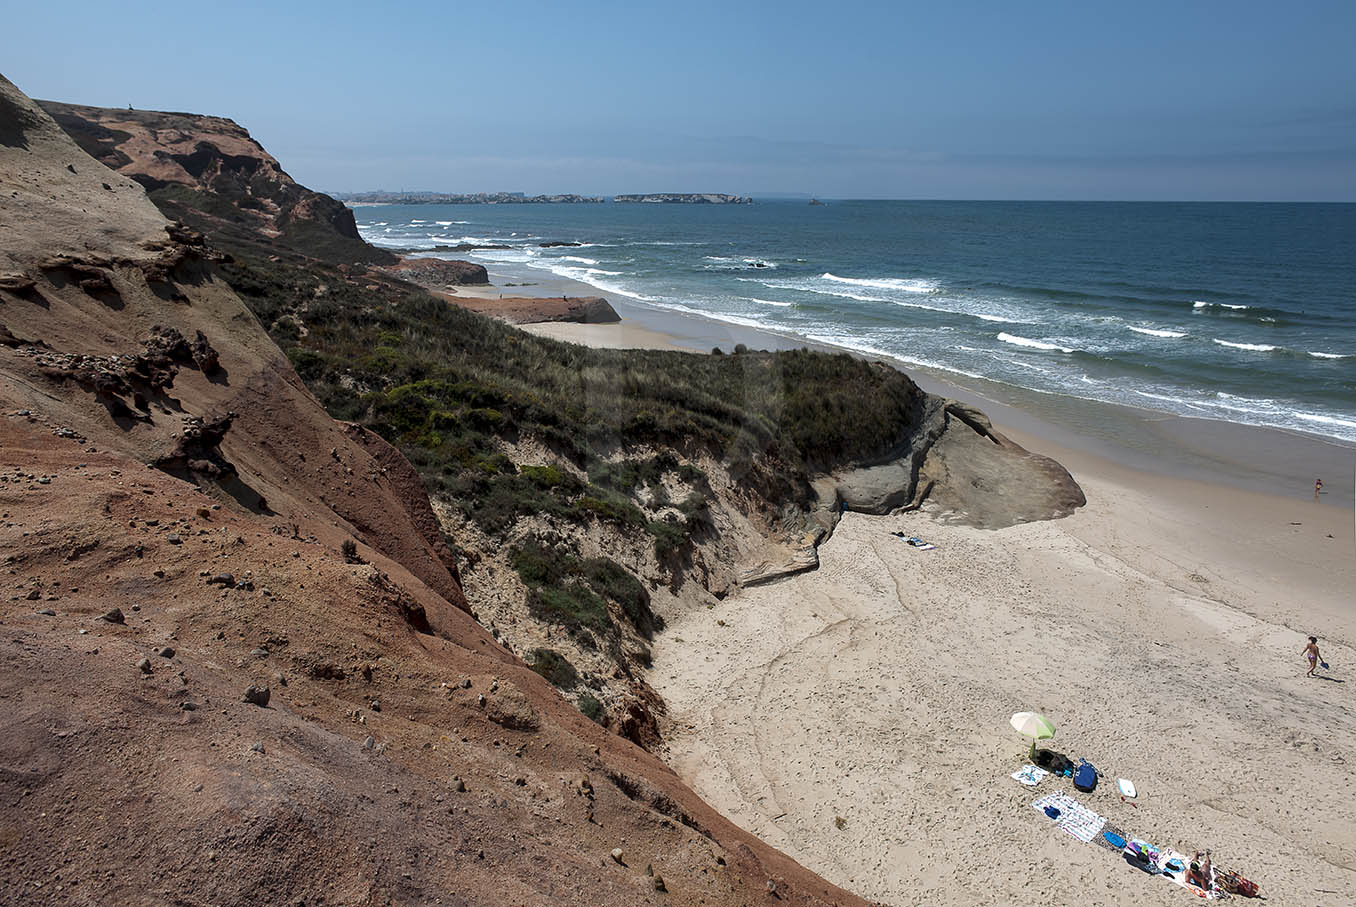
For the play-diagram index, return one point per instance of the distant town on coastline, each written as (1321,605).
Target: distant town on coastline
(519,198)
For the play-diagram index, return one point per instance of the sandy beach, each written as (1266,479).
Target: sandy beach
(619,336)
(857,716)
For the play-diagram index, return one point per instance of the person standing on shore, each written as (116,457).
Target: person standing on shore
(1318,488)
(1311,653)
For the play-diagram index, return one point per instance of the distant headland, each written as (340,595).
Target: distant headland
(519,198)
(686,198)
(475,198)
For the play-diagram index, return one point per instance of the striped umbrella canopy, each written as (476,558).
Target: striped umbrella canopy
(1034,725)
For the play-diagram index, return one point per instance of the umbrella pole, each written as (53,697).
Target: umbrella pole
(1033,750)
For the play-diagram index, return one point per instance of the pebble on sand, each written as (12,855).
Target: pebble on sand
(257,695)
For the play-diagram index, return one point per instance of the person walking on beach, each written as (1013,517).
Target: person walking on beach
(1311,653)
(1318,488)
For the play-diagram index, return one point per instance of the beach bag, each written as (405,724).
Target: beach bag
(1234,883)
(1085,778)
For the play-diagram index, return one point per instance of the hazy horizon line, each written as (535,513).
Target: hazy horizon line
(805,196)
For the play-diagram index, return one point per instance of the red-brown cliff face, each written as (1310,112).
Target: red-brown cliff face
(236,668)
(209,172)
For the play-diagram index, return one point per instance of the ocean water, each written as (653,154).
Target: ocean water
(1238,312)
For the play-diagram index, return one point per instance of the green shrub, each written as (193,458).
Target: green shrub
(574,592)
(610,579)
(610,507)
(555,668)
(669,537)
(556,592)
(591,707)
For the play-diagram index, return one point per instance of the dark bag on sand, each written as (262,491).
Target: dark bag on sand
(1085,778)
(1234,883)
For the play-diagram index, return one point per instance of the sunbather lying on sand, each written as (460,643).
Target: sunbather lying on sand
(1198,873)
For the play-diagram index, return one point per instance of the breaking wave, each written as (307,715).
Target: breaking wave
(1253,347)
(1033,344)
(908,285)
(1154,332)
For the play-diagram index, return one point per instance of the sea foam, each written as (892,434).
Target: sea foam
(908,285)
(1254,347)
(1033,344)
(1154,332)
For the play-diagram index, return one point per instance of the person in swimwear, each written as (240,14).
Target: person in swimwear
(1199,872)
(1311,653)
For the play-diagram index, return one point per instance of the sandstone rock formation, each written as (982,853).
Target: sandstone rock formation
(193,162)
(439,273)
(956,465)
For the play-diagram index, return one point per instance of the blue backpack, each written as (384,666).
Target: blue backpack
(1085,777)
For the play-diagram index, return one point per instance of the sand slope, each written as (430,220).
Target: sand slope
(1160,627)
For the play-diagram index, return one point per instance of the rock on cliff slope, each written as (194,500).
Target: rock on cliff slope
(212,174)
(236,669)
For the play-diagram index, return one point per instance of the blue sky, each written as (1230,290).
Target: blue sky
(1144,100)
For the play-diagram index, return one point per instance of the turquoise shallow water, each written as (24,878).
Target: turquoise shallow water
(1237,312)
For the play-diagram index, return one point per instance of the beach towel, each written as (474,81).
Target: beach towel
(1074,818)
(1142,855)
(914,541)
(1030,775)
(1109,837)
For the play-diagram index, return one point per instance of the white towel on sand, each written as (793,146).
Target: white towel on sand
(1030,775)
(1075,818)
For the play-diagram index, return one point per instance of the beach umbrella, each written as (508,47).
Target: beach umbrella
(1035,726)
